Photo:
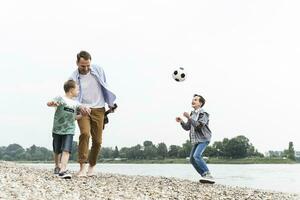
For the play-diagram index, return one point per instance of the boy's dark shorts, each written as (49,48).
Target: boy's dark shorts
(62,143)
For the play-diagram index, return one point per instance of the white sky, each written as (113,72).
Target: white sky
(242,56)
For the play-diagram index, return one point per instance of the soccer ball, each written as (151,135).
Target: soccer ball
(179,74)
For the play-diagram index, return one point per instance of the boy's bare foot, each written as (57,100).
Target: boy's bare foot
(91,171)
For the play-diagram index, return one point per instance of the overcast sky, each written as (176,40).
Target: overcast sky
(242,56)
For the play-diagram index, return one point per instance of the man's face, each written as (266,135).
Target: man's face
(196,102)
(83,66)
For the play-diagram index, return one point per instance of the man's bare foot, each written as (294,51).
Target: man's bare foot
(91,171)
(81,173)
(82,170)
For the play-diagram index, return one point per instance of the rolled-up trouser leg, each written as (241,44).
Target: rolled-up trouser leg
(83,146)
(97,119)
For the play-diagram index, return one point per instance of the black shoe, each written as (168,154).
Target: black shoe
(65,175)
(56,170)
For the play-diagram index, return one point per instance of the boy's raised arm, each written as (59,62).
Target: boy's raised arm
(84,110)
(55,102)
(52,104)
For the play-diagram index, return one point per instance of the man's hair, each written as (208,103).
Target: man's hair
(85,55)
(201,99)
(69,85)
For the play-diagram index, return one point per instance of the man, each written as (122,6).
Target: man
(93,93)
(200,135)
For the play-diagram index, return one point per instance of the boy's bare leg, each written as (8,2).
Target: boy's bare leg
(57,159)
(82,170)
(64,161)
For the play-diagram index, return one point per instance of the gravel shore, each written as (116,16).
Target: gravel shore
(20,182)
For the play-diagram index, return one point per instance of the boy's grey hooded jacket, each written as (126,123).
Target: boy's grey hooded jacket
(198,127)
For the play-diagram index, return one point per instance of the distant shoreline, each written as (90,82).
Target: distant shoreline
(22,182)
(186,161)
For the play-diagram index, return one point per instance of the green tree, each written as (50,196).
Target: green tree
(124,152)
(116,152)
(138,152)
(173,151)
(210,151)
(162,150)
(30,152)
(237,147)
(7,157)
(2,150)
(38,153)
(106,152)
(147,143)
(46,154)
(132,153)
(181,153)
(135,152)
(187,148)
(220,147)
(291,151)
(14,152)
(27,156)
(150,152)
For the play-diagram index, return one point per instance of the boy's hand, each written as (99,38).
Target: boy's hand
(78,117)
(88,110)
(52,104)
(178,119)
(187,115)
(85,110)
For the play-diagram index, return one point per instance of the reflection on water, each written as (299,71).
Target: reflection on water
(274,177)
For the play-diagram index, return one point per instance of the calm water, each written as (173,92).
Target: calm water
(274,177)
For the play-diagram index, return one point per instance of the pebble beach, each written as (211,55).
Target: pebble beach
(22,182)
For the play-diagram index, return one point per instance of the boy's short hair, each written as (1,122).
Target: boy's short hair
(85,55)
(69,85)
(201,99)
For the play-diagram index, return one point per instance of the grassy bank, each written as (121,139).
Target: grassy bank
(158,161)
(186,161)
(251,161)
(210,160)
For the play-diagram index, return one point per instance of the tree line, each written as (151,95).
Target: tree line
(234,148)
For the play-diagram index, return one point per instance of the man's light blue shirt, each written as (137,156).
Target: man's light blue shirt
(98,72)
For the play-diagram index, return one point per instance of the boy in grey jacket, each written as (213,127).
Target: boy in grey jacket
(200,136)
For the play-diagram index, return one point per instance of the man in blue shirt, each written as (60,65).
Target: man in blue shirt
(94,94)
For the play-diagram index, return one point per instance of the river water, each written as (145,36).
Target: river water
(272,177)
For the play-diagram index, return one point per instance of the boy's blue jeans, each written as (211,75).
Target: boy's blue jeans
(196,157)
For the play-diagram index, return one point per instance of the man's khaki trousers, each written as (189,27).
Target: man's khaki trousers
(90,125)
